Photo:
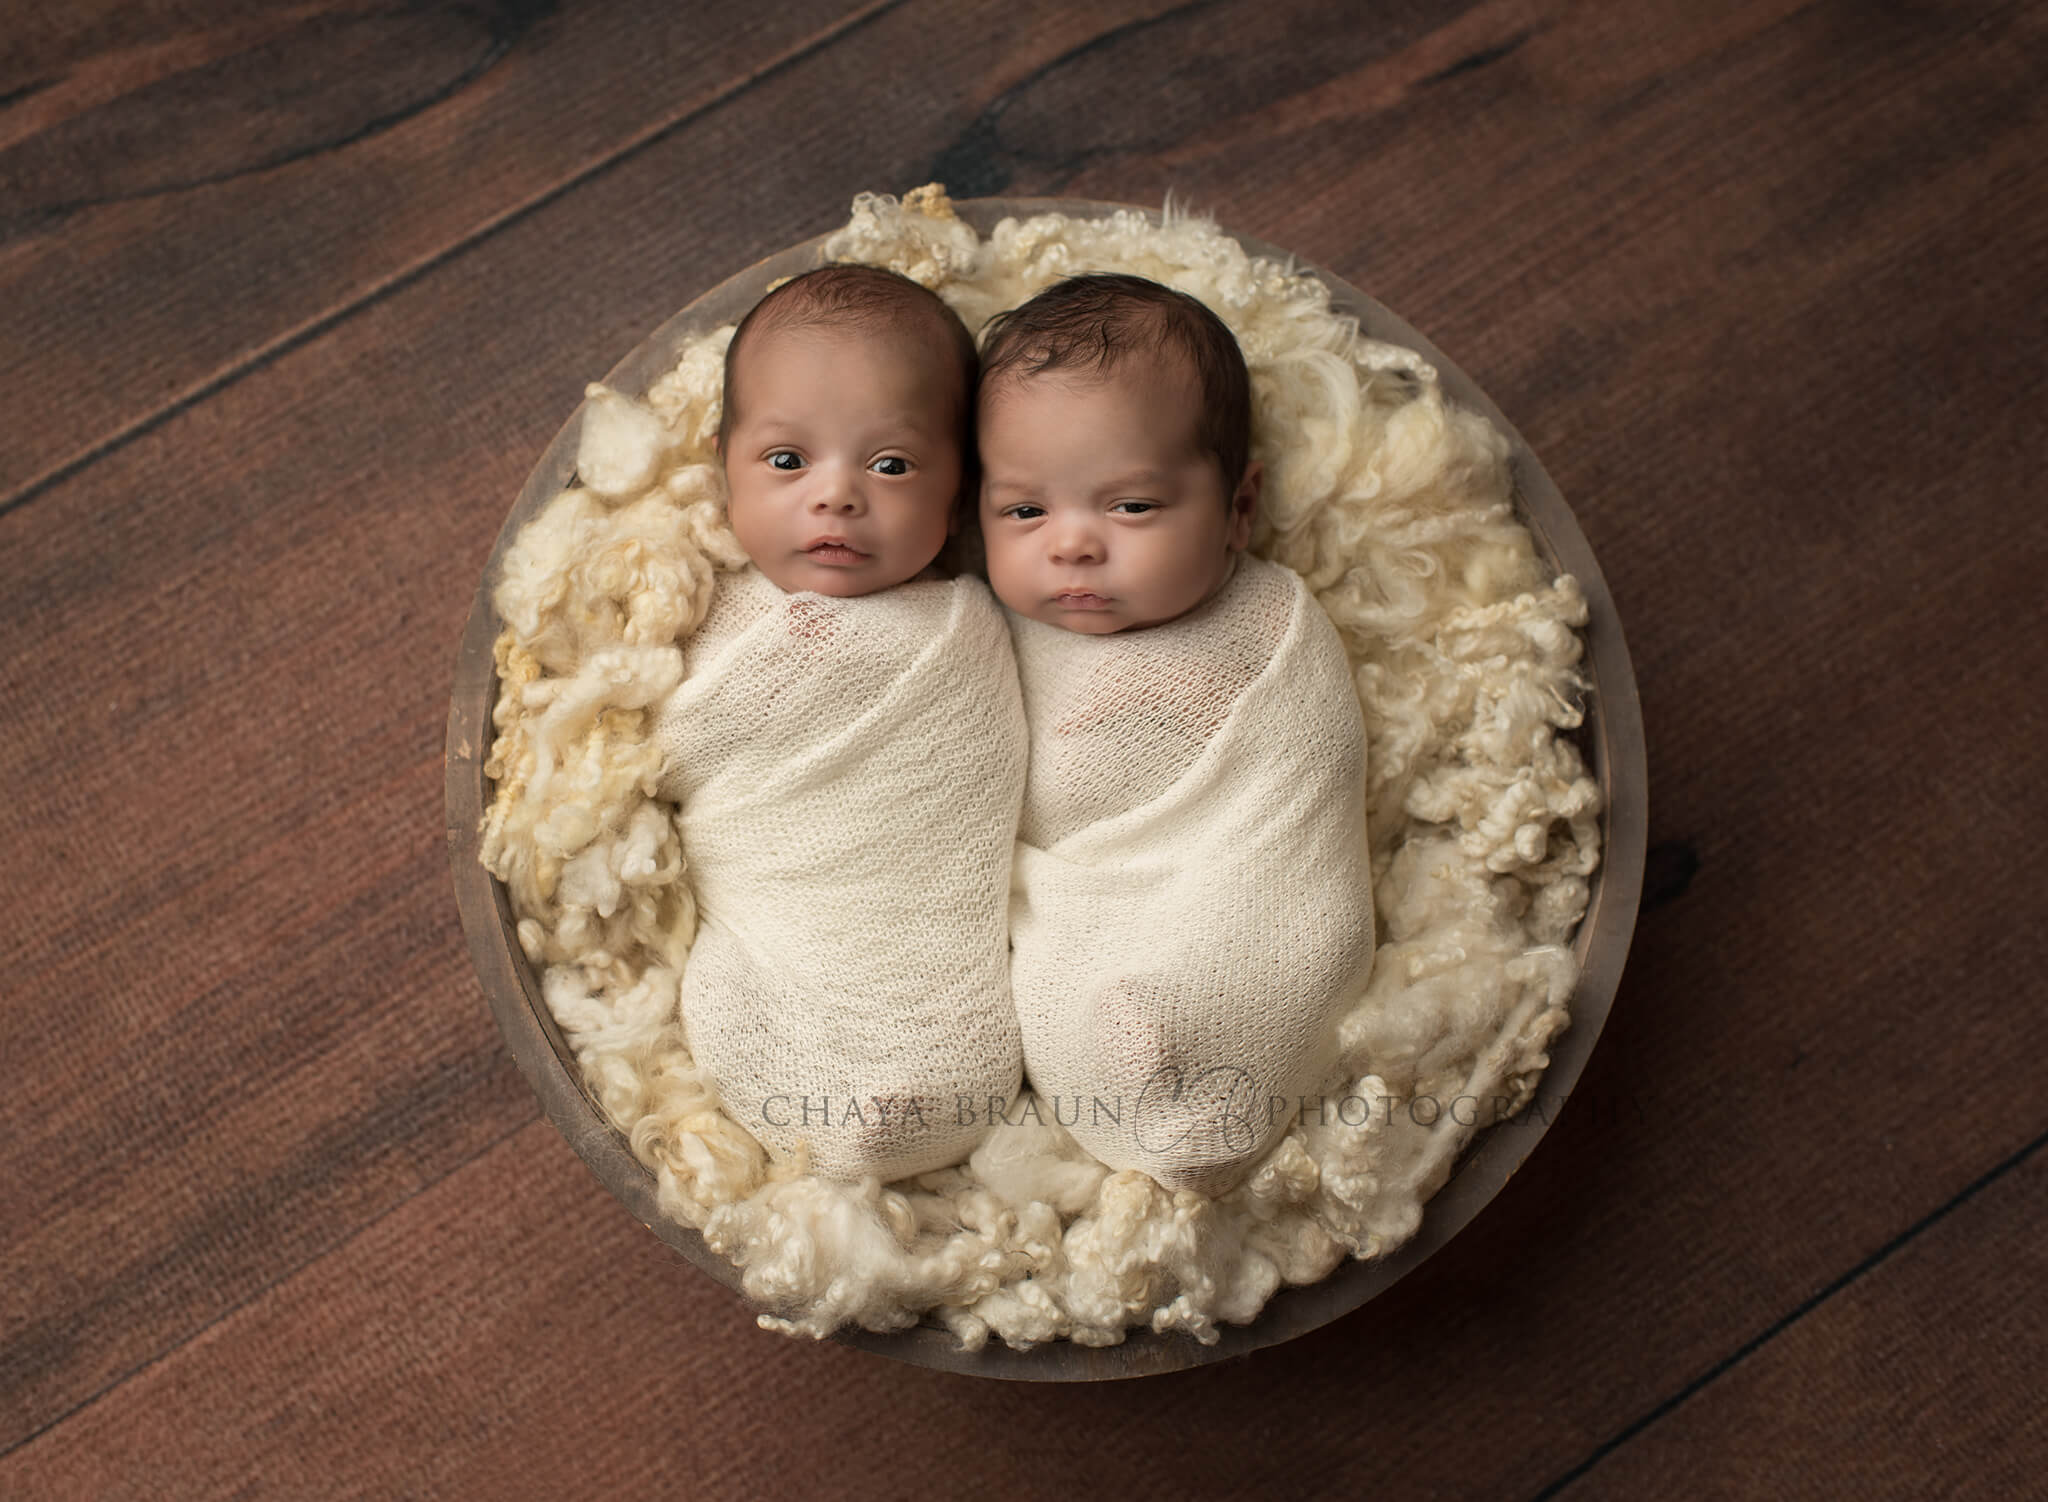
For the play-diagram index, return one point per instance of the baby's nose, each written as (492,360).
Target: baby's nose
(1076,542)
(834,492)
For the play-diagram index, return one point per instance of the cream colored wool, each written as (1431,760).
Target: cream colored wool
(1393,507)
(1192,910)
(849,773)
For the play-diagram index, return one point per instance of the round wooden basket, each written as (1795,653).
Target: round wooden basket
(1612,740)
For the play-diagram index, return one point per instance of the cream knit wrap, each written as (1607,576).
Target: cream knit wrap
(848,773)
(1191,911)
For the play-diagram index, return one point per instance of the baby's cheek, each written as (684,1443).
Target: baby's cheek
(1002,573)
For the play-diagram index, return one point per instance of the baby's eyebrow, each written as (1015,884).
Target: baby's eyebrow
(774,423)
(1013,487)
(1134,479)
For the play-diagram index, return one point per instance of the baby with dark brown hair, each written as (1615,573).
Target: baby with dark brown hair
(1191,909)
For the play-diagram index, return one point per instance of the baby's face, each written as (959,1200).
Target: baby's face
(1101,510)
(843,464)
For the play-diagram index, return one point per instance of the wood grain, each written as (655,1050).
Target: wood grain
(1916,1381)
(442,1329)
(1762,287)
(178,198)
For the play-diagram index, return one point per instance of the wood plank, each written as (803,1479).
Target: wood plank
(412,1360)
(1774,1032)
(1921,1379)
(180,195)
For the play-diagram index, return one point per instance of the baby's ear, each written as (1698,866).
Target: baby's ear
(1244,505)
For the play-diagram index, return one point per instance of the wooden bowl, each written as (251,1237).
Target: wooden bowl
(1612,740)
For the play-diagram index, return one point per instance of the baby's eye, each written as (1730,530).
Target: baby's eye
(785,459)
(891,464)
(1135,508)
(1025,512)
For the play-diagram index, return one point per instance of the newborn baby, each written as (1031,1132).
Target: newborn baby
(1191,910)
(847,747)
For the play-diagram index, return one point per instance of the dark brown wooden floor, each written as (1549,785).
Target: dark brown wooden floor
(293,297)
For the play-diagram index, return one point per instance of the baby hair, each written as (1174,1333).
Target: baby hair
(1093,323)
(865,300)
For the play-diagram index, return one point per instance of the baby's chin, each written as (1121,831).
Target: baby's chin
(1099,621)
(1096,622)
(1091,623)
(799,577)
(1107,615)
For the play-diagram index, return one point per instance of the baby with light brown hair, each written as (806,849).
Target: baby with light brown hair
(847,746)
(846,430)
(1191,907)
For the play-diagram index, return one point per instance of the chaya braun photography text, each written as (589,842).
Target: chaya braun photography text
(1173,1103)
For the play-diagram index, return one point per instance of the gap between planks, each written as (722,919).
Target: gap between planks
(256,1295)
(1785,1322)
(397,281)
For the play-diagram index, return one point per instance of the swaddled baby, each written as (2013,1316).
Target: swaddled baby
(847,746)
(1191,909)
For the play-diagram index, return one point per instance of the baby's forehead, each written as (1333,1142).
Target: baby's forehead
(1162,368)
(923,349)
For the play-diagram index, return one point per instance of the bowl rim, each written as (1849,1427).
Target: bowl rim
(1611,738)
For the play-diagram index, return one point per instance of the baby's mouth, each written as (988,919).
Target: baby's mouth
(834,550)
(1080,600)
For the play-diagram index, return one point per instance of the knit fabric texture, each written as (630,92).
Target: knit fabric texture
(1192,909)
(848,774)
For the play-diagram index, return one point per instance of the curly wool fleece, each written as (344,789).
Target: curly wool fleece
(1394,509)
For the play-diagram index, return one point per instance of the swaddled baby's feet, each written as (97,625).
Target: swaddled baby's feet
(1193,1117)
(887,1135)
